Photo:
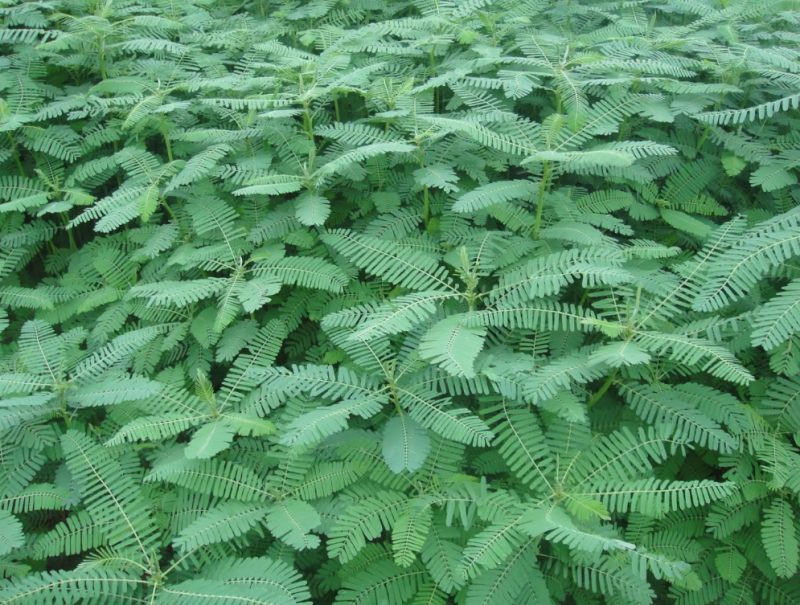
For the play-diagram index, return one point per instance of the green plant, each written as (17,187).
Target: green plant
(399,302)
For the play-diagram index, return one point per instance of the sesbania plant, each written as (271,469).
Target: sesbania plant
(384,302)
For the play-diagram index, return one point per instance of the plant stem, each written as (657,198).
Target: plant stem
(708,128)
(15,153)
(169,210)
(540,203)
(308,122)
(165,134)
(396,402)
(72,245)
(433,73)
(116,150)
(426,202)
(101,56)
(64,411)
(596,397)
(702,139)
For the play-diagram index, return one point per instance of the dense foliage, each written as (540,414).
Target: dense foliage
(399,301)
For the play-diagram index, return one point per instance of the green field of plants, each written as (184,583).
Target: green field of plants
(399,302)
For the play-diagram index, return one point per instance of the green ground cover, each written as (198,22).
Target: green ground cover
(381,302)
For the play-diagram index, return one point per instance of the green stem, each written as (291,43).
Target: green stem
(72,245)
(596,397)
(624,125)
(169,210)
(708,128)
(41,257)
(101,56)
(119,176)
(64,410)
(433,73)
(702,140)
(426,201)
(308,122)
(165,134)
(746,97)
(393,391)
(397,404)
(540,203)
(336,107)
(15,153)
